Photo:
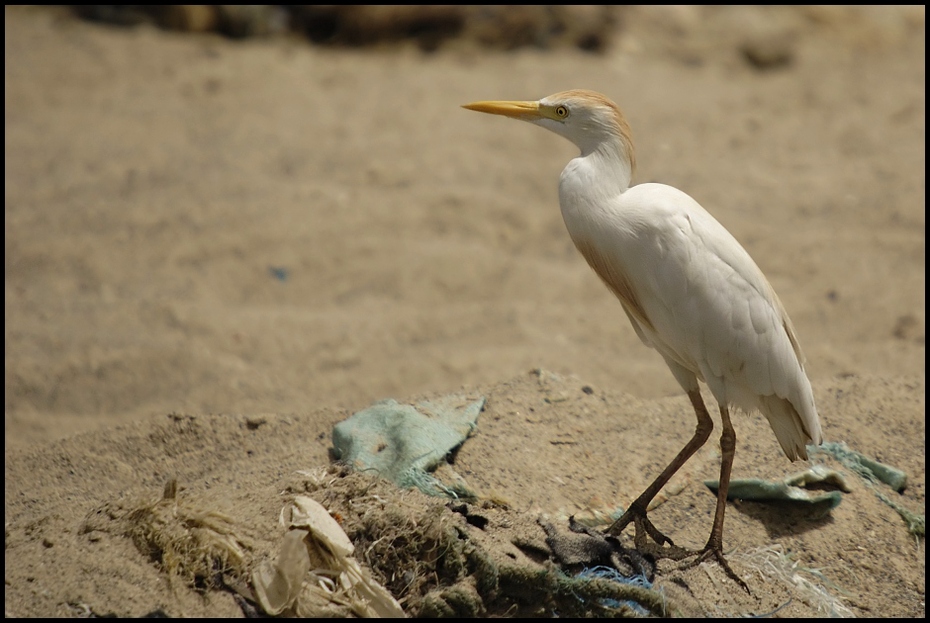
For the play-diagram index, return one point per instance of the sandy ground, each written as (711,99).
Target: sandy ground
(218,230)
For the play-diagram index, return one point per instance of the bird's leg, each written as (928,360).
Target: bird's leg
(636,513)
(714,547)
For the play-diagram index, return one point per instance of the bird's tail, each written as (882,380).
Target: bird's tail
(793,430)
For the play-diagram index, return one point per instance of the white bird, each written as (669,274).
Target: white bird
(688,287)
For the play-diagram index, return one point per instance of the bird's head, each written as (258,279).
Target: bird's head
(586,118)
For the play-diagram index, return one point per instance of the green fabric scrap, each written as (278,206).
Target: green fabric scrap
(873,472)
(757,490)
(819,475)
(402,442)
(869,469)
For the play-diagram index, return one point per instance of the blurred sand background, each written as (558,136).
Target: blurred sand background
(199,225)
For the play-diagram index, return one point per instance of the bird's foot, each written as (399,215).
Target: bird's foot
(714,551)
(643,526)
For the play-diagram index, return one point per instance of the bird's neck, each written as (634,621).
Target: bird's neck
(603,171)
(615,161)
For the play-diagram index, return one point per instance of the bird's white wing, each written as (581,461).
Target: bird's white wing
(698,298)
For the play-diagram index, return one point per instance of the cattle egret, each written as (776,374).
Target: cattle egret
(688,287)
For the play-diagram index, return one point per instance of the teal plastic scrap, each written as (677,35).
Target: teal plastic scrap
(873,472)
(870,469)
(402,443)
(819,475)
(757,490)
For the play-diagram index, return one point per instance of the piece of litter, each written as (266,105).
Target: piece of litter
(277,585)
(819,475)
(758,490)
(869,469)
(873,472)
(315,569)
(402,442)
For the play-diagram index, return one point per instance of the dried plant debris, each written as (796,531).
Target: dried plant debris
(362,547)
(439,559)
(774,564)
(189,541)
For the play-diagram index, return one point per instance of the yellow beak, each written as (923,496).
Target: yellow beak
(517,110)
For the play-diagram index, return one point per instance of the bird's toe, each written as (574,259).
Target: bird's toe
(715,553)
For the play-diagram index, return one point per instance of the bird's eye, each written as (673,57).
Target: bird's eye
(561,111)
